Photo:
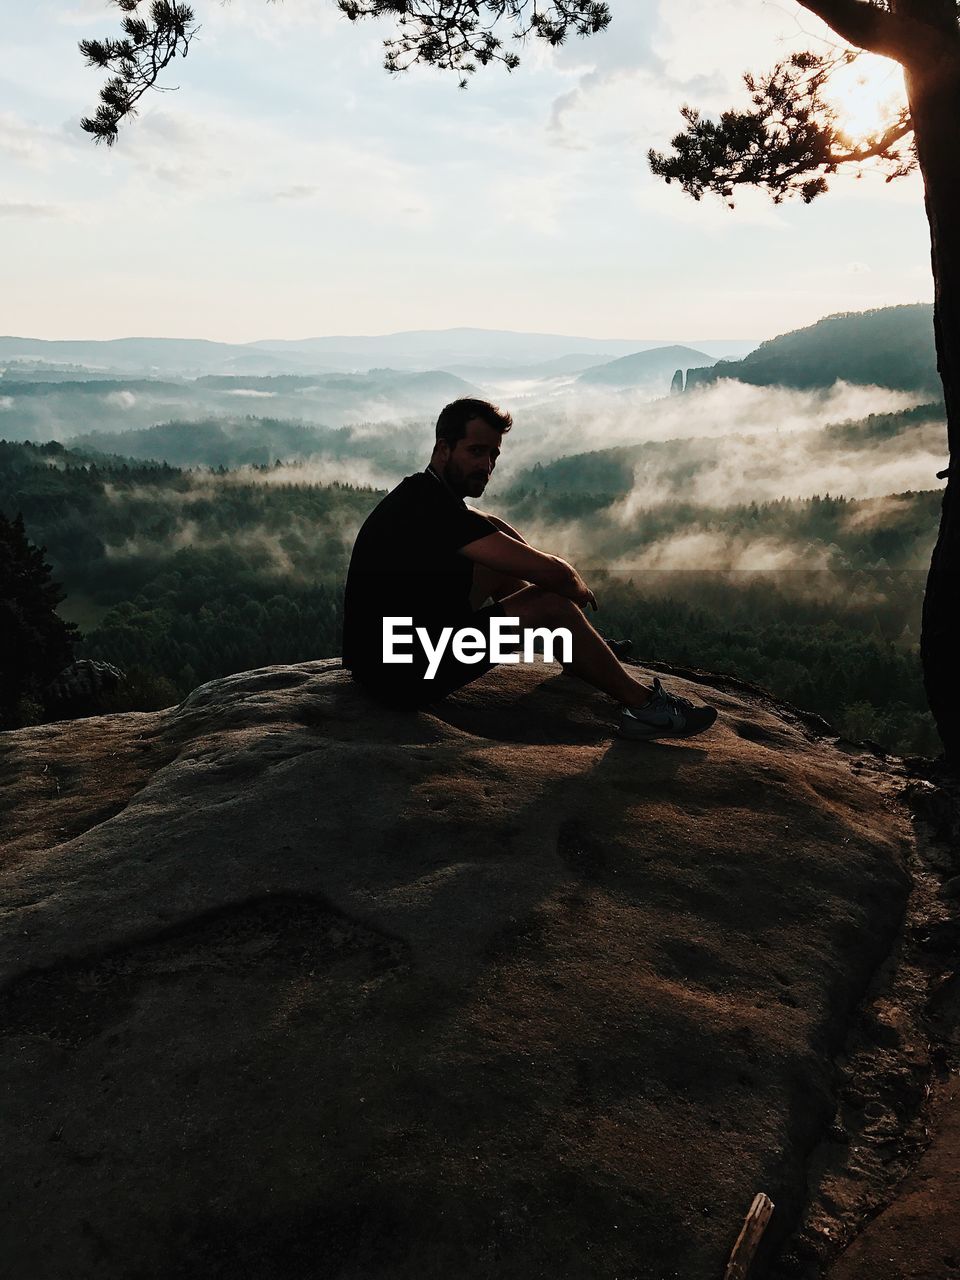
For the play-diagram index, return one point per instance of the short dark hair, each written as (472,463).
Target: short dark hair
(452,423)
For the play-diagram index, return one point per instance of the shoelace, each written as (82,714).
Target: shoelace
(672,698)
(678,701)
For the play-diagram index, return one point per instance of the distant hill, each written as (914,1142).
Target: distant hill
(124,355)
(563,366)
(392,448)
(645,368)
(63,410)
(65,388)
(889,347)
(34,371)
(32,460)
(385,382)
(218,442)
(413,350)
(444,348)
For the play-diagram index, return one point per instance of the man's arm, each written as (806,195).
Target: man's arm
(502,525)
(504,554)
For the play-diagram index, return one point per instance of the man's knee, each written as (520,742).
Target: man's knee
(490,583)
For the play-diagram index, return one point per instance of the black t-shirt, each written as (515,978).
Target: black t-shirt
(405,564)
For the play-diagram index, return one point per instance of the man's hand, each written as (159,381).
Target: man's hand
(585,597)
(580,593)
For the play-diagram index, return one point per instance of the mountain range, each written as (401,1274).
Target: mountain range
(457,349)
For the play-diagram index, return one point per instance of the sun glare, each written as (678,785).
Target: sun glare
(868,94)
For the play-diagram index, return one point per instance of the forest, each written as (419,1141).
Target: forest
(178,576)
(889,346)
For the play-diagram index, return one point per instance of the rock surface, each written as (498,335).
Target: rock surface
(293,986)
(916,1236)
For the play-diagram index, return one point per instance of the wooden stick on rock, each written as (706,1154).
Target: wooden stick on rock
(748,1241)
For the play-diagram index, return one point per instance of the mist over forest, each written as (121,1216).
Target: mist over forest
(773,519)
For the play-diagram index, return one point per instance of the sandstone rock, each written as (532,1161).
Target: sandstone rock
(293,986)
(916,1236)
(80,688)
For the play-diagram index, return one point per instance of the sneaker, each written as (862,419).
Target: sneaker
(620,648)
(666,715)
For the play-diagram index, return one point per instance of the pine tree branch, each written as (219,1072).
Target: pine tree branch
(878,147)
(136,60)
(787,143)
(874,148)
(454,35)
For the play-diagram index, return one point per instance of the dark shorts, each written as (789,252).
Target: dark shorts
(393,686)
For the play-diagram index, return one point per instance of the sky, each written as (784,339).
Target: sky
(291,188)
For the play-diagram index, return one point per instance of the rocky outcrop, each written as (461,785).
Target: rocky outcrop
(705,376)
(81,689)
(296,986)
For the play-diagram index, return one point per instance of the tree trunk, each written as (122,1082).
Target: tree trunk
(934,97)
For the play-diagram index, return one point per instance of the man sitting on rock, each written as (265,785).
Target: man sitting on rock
(426,566)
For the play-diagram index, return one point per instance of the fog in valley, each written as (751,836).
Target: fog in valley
(717,447)
(187,510)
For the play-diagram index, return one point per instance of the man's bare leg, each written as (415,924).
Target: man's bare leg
(592,658)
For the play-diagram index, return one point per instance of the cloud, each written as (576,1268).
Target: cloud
(536,201)
(725,446)
(299,191)
(709,217)
(81,13)
(580,419)
(627,43)
(876,513)
(29,209)
(721,39)
(322,470)
(18,137)
(208,151)
(120,399)
(32,143)
(632,79)
(254,543)
(273,24)
(708,549)
(743,469)
(292,554)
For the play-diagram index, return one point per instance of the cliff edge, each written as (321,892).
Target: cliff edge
(293,986)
